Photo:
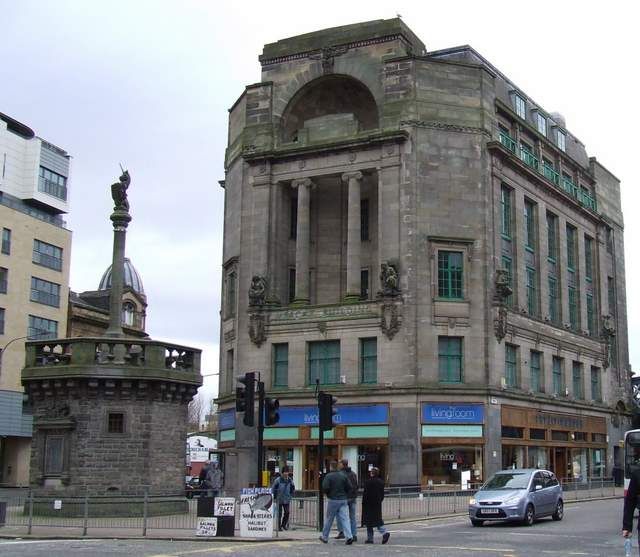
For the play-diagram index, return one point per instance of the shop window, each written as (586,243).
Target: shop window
(559,435)
(450,359)
(368,360)
(579,465)
(597,463)
(54,455)
(537,457)
(115,422)
(537,434)
(324,362)
(444,464)
(511,432)
(513,457)
(280,365)
(511,365)
(450,274)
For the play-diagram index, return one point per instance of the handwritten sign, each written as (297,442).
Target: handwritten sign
(207,527)
(256,513)
(224,506)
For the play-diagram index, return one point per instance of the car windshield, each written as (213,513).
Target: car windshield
(511,480)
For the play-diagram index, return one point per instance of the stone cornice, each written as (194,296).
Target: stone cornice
(445,127)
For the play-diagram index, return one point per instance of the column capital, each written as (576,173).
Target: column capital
(301,182)
(354,175)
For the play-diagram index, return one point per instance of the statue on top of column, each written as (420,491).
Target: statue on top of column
(119,192)
(389,279)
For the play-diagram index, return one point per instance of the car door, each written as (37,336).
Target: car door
(537,495)
(552,487)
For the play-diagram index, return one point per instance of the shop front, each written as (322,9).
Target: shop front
(360,435)
(572,446)
(452,445)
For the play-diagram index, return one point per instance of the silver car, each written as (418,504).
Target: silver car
(519,494)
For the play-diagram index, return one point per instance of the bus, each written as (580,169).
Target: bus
(631,455)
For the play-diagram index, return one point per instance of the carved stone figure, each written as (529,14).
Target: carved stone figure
(389,320)
(119,192)
(257,291)
(389,280)
(502,288)
(500,323)
(327,57)
(608,333)
(257,330)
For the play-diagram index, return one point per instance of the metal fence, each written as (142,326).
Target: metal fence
(25,513)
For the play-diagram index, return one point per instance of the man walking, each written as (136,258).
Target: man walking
(336,487)
(282,491)
(214,480)
(351,499)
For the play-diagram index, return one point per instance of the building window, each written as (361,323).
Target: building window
(450,274)
(554,314)
(552,237)
(229,370)
(54,455)
(41,328)
(324,362)
(115,422)
(511,365)
(47,255)
(4,280)
(280,365)
(591,326)
(558,383)
(450,359)
(541,123)
(535,359)
(45,292)
(507,265)
(368,360)
(532,296)
(537,434)
(293,218)
(573,308)
(578,387)
(520,106)
(364,284)
(596,385)
(128,314)
(230,298)
(292,284)
(505,205)
(529,226)
(1,321)
(6,241)
(52,183)
(588,258)
(562,140)
(364,220)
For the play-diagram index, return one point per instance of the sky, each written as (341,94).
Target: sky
(148,84)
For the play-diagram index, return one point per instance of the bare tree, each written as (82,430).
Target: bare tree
(195,411)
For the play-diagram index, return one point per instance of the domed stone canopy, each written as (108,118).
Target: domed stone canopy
(131,278)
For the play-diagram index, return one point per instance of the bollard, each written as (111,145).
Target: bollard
(455,500)
(30,512)
(399,502)
(86,514)
(602,486)
(145,510)
(428,502)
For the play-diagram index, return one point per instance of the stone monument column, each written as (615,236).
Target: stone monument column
(303,227)
(354,180)
(121,219)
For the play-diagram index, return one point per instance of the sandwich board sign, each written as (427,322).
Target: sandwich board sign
(207,527)
(256,512)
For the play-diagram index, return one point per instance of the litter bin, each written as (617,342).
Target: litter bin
(3,513)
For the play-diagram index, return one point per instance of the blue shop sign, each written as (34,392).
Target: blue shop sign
(227,419)
(348,414)
(452,413)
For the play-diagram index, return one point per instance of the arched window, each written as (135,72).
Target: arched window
(128,314)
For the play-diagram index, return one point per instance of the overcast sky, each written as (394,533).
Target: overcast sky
(148,84)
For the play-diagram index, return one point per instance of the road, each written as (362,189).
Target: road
(588,529)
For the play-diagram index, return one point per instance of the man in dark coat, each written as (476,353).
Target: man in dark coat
(372,506)
(631,501)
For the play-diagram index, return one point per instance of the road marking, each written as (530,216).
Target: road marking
(70,540)
(235,547)
(456,547)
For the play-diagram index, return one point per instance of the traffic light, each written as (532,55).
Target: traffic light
(271,414)
(326,410)
(245,397)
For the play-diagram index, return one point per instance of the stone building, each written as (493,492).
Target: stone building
(34,273)
(433,246)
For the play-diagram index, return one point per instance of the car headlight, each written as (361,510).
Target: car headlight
(511,500)
(472,501)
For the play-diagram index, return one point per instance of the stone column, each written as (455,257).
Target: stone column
(353,235)
(303,227)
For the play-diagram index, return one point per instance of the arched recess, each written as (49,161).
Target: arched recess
(340,96)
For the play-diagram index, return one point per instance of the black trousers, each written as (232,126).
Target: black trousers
(283,513)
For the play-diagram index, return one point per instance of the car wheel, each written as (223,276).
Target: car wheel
(529,515)
(559,511)
(475,522)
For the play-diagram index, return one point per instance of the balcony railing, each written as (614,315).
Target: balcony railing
(508,141)
(566,184)
(52,188)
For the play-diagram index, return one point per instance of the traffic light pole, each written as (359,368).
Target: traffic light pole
(260,430)
(320,478)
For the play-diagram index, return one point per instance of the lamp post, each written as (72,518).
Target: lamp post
(3,350)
